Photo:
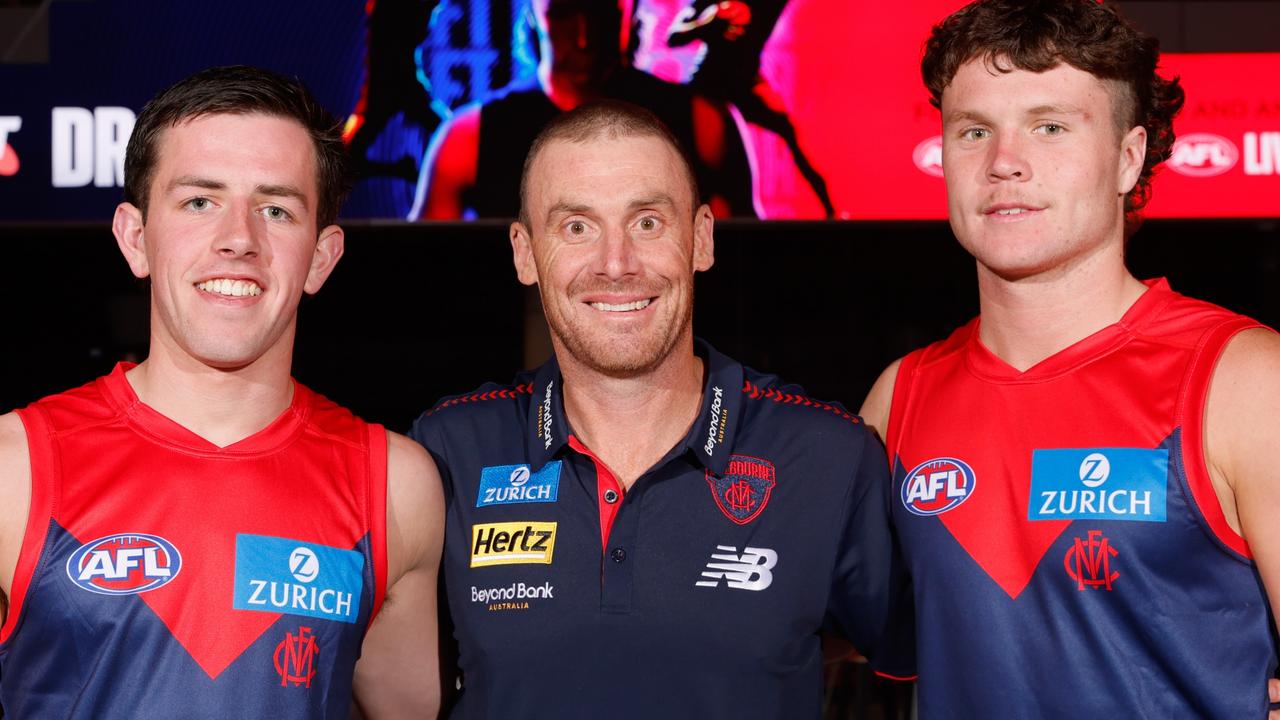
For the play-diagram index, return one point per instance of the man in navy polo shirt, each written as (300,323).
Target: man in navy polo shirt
(642,527)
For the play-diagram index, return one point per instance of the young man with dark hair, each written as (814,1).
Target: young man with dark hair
(1084,476)
(199,535)
(642,527)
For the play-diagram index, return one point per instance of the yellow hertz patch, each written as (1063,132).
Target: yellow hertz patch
(512,543)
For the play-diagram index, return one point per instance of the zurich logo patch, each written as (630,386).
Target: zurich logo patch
(124,564)
(514,484)
(744,489)
(1115,483)
(936,486)
(280,575)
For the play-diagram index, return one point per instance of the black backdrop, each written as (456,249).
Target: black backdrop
(415,312)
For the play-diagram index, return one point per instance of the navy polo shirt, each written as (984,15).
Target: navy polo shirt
(699,592)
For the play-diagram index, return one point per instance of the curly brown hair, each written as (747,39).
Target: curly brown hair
(1038,35)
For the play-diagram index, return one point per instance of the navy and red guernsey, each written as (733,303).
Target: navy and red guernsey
(1069,555)
(164,577)
(698,592)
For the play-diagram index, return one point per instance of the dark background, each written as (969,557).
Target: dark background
(415,312)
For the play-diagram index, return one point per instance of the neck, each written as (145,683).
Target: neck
(630,423)
(223,406)
(1029,319)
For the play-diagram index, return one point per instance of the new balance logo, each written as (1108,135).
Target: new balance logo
(749,571)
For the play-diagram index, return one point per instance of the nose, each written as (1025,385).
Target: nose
(1008,159)
(239,233)
(618,255)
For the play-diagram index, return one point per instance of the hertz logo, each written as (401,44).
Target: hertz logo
(512,543)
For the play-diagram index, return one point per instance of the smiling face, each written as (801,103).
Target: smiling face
(230,238)
(613,241)
(1035,167)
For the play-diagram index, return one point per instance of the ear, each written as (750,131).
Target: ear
(704,244)
(522,254)
(128,228)
(1133,153)
(329,248)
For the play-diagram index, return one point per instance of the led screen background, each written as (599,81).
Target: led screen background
(846,74)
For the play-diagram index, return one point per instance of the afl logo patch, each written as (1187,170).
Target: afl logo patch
(124,564)
(937,486)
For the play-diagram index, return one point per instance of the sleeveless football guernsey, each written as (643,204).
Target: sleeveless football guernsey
(163,576)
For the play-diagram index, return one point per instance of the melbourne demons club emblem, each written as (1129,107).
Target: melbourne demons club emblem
(295,658)
(744,489)
(1088,562)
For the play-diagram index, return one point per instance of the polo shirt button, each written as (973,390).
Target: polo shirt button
(618,555)
(611,496)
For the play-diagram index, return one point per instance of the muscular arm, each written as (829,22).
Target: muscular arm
(15,500)
(450,168)
(398,676)
(875,409)
(1242,450)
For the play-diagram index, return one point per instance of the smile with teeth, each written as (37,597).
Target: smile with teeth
(623,307)
(230,288)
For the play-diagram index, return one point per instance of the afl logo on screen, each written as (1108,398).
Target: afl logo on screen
(928,156)
(1203,155)
(937,486)
(124,564)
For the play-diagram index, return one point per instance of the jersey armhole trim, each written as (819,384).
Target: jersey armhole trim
(898,404)
(378,513)
(45,481)
(1191,417)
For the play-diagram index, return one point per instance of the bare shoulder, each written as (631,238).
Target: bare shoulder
(415,507)
(875,409)
(15,488)
(1242,412)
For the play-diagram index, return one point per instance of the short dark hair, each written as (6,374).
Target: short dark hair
(239,90)
(613,118)
(1038,35)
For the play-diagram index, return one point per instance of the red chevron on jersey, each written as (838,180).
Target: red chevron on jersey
(235,570)
(1062,532)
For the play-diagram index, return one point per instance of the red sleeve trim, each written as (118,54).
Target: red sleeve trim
(45,481)
(504,393)
(378,514)
(898,404)
(755,392)
(895,678)
(1191,407)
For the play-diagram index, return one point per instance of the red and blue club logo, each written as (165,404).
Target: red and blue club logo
(124,564)
(936,486)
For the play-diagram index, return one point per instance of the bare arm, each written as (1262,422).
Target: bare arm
(450,168)
(15,500)
(875,409)
(398,673)
(1242,449)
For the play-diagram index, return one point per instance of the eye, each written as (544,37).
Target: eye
(1051,129)
(577,227)
(649,223)
(275,212)
(975,133)
(199,204)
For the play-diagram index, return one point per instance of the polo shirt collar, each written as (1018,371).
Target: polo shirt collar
(547,428)
(710,439)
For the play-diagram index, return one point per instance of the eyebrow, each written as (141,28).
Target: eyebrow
(973,116)
(270,190)
(659,199)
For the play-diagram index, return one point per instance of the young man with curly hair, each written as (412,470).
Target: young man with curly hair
(1084,475)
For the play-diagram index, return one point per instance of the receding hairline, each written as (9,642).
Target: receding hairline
(611,129)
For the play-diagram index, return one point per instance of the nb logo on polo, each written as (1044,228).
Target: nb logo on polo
(279,575)
(512,484)
(749,571)
(936,486)
(512,543)
(124,564)
(1099,484)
